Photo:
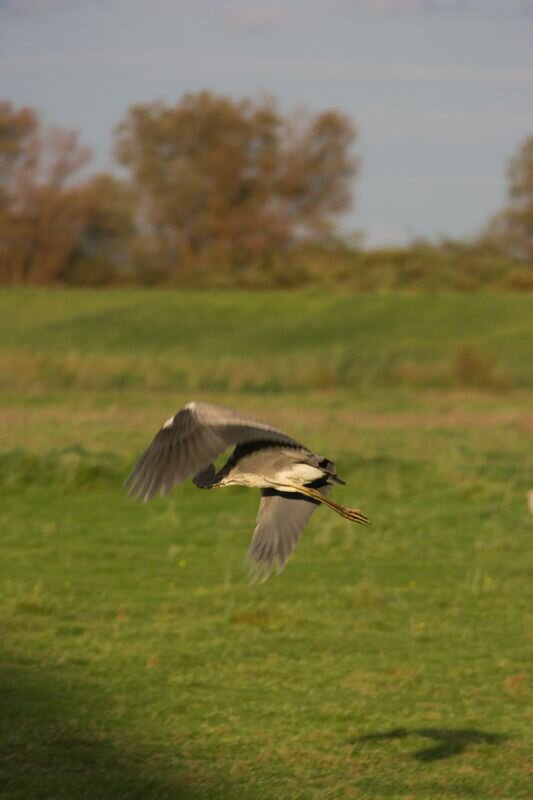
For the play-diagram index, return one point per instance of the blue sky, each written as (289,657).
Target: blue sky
(441,90)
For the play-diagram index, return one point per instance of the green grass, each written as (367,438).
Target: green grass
(389,662)
(268,343)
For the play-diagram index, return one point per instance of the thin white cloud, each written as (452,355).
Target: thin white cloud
(347,70)
(459,125)
(404,6)
(342,71)
(31,8)
(24,7)
(259,17)
(435,6)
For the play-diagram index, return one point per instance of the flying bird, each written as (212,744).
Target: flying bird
(293,480)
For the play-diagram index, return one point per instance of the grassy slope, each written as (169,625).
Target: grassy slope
(389,662)
(261,342)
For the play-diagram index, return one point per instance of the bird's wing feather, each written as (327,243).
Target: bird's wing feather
(281,519)
(189,441)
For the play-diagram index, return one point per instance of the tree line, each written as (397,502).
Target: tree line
(223,192)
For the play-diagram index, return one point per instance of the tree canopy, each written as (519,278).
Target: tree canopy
(513,226)
(218,192)
(224,181)
(40,211)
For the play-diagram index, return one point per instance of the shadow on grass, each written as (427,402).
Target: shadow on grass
(53,745)
(448,742)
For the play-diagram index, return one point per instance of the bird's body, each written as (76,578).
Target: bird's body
(293,479)
(262,466)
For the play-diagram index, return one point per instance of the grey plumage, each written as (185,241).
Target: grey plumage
(281,520)
(293,479)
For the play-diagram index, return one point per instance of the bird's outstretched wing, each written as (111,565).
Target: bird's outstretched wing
(281,519)
(189,441)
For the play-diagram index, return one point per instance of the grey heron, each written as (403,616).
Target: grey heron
(293,480)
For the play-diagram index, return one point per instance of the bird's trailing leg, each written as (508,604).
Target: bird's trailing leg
(353,514)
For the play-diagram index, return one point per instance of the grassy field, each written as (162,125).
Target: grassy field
(389,662)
